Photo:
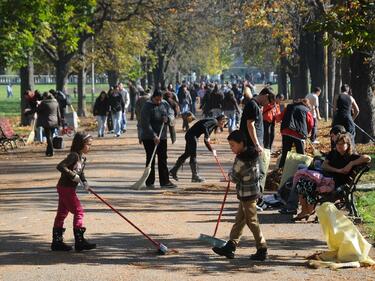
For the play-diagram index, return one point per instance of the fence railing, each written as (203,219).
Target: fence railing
(49,79)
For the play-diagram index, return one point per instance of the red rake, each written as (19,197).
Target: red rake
(162,249)
(216,242)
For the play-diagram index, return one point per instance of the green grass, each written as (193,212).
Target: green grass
(366,208)
(11,106)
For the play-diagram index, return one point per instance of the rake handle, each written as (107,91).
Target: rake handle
(221,209)
(157,244)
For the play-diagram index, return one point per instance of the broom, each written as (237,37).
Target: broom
(141,182)
(31,137)
(216,242)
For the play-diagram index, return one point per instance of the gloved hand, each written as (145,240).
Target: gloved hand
(76,178)
(214,152)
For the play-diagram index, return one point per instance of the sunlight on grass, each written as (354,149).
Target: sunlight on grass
(366,207)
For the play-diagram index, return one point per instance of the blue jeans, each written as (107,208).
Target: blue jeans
(117,119)
(101,124)
(123,121)
(232,120)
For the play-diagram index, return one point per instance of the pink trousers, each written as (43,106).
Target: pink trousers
(68,202)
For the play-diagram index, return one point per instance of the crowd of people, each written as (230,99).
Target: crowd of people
(250,120)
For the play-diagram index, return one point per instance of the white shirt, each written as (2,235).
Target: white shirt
(314,102)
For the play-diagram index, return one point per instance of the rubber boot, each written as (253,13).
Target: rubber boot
(227,250)
(58,240)
(195,177)
(260,255)
(174,170)
(81,243)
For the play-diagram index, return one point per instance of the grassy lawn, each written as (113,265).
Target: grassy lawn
(366,207)
(11,106)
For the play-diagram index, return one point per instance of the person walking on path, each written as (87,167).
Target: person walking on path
(231,109)
(314,103)
(252,124)
(245,175)
(101,108)
(133,95)
(49,118)
(270,113)
(345,111)
(125,96)
(155,112)
(117,105)
(72,173)
(206,127)
(9,91)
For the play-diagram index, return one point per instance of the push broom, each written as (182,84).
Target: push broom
(161,248)
(216,242)
(141,183)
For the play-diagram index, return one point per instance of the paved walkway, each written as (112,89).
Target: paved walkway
(28,202)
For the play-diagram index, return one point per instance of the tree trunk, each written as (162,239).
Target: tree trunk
(337,77)
(144,70)
(315,58)
(27,83)
(81,87)
(81,90)
(331,77)
(159,75)
(150,79)
(62,71)
(299,76)
(113,77)
(345,70)
(363,85)
(282,78)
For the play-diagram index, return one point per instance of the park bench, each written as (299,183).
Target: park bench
(8,136)
(343,196)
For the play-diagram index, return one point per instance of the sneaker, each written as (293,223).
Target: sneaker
(168,185)
(260,255)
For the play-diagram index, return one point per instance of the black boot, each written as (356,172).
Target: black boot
(174,170)
(195,177)
(58,240)
(260,255)
(227,250)
(81,243)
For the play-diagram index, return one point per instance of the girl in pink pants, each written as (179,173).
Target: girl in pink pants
(72,174)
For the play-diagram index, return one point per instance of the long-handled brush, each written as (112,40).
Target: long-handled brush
(141,183)
(161,248)
(216,242)
(31,136)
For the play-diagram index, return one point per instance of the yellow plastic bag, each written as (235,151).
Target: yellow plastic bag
(345,242)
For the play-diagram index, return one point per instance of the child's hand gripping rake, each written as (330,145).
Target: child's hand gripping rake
(216,242)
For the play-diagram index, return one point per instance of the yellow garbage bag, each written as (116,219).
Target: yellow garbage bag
(345,242)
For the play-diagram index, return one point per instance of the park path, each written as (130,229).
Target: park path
(175,217)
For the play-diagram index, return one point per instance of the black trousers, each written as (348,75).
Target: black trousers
(269,134)
(49,132)
(190,151)
(161,153)
(287,143)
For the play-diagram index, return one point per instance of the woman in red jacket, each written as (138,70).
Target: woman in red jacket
(270,114)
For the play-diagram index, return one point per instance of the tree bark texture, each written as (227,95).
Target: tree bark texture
(27,83)
(363,85)
(331,77)
(282,78)
(81,87)
(345,70)
(315,58)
